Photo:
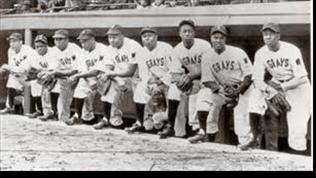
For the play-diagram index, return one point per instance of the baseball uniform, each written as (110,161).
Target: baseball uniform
(19,63)
(190,59)
(93,60)
(66,60)
(226,69)
(284,65)
(44,62)
(157,59)
(121,58)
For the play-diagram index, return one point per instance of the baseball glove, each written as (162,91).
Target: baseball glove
(32,74)
(281,103)
(184,83)
(231,92)
(46,80)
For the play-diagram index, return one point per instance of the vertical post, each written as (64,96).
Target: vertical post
(27,88)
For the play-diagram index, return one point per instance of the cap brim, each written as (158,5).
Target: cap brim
(41,41)
(270,28)
(60,36)
(144,31)
(13,38)
(219,31)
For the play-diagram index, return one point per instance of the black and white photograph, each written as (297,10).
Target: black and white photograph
(156,85)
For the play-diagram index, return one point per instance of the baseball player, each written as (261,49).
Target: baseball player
(289,79)
(152,64)
(123,52)
(92,63)
(43,61)
(67,54)
(18,63)
(185,70)
(226,77)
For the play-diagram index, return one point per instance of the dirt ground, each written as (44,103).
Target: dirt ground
(34,145)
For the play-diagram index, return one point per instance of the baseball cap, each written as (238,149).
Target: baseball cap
(114,30)
(187,22)
(16,36)
(272,26)
(41,38)
(219,28)
(148,29)
(86,34)
(61,34)
(26,2)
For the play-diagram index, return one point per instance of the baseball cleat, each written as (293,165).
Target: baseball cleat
(135,128)
(103,123)
(46,117)
(33,115)
(197,138)
(251,145)
(7,111)
(166,132)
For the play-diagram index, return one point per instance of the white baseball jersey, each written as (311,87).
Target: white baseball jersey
(121,58)
(69,57)
(228,68)
(19,62)
(43,62)
(91,60)
(189,58)
(156,61)
(283,65)
(160,58)
(127,54)
(95,59)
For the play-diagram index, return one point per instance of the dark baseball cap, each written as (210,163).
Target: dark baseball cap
(61,34)
(187,22)
(41,38)
(148,29)
(15,36)
(86,34)
(272,26)
(114,30)
(219,28)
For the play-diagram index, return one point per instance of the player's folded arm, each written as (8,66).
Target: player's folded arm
(245,84)
(293,83)
(212,85)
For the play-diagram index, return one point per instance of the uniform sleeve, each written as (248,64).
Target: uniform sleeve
(297,62)
(30,60)
(176,65)
(136,49)
(206,70)
(10,58)
(258,77)
(106,59)
(245,64)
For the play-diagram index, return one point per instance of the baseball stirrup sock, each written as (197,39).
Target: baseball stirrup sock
(172,111)
(140,112)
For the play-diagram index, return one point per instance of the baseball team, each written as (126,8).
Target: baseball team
(158,78)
